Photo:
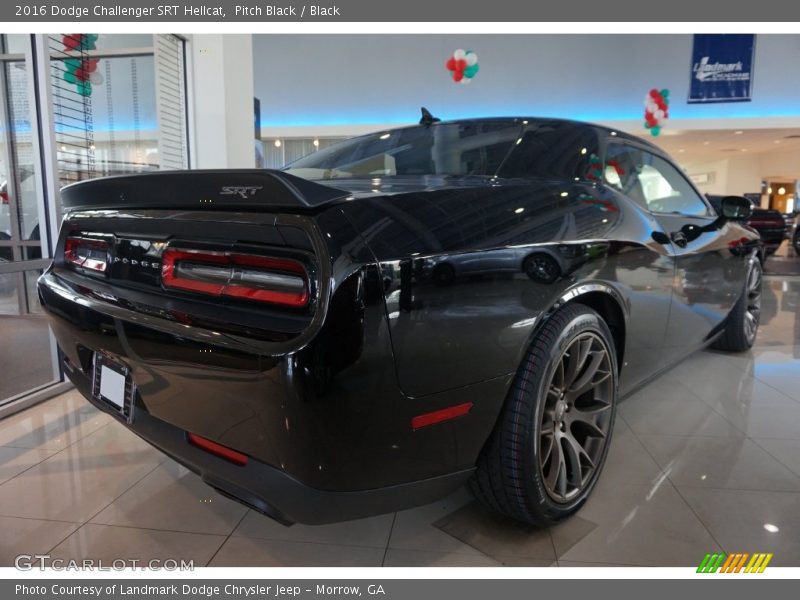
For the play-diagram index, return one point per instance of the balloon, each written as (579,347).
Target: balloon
(659,114)
(72,63)
(463,65)
(471,71)
(655,131)
(96,78)
(69,77)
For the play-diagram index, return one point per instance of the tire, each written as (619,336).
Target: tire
(541,267)
(741,325)
(796,241)
(512,475)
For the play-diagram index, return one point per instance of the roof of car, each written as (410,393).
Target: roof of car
(529,119)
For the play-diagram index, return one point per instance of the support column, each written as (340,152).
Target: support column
(222,101)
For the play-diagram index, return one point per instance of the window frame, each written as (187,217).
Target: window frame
(642,147)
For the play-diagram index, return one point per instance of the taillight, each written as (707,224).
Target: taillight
(86,253)
(247,276)
(3,197)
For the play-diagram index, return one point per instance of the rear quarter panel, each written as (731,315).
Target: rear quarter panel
(478,326)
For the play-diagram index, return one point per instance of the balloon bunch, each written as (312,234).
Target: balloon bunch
(656,110)
(80,70)
(463,65)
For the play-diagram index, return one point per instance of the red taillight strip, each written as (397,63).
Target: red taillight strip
(72,246)
(437,416)
(171,278)
(217,449)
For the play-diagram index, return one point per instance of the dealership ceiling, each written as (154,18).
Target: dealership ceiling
(719,144)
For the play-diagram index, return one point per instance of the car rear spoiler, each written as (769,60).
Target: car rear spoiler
(230,189)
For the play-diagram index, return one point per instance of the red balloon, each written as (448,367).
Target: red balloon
(71,41)
(451,64)
(458,75)
(654,93)
(81,75)
(461,64)
(89,65)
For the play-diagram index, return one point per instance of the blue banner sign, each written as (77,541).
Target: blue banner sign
(722,68)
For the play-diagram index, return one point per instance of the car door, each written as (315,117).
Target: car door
(708,277)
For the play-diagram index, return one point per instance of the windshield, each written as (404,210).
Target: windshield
(507,148)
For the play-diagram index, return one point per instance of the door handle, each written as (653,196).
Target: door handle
(678,238)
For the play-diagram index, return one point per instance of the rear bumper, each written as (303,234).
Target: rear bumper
(325,428)
(271,491)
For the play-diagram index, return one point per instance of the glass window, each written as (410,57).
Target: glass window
(651,181)
(508,148)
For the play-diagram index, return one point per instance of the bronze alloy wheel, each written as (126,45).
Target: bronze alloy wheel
(576,418)
(752,313)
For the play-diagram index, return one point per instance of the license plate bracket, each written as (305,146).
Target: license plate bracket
(113,386)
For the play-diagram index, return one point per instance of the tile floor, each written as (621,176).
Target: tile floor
(707,457)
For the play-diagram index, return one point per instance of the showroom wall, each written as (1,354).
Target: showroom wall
(743,174)
(350,80)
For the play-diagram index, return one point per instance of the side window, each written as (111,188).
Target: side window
(651,181)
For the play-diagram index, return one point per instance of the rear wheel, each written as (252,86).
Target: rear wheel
(541,267)
(742,325)
(551,440)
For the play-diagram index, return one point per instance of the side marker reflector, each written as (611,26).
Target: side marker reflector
(437,416)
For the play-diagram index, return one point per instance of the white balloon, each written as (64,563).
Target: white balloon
(96,78)
(471,58)
(659,114)
(466,79)
(459,54)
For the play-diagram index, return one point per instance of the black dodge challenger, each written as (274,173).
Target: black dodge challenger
(400,313)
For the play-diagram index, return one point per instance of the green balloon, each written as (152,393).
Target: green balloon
(69,77)
(85,88)
(471,71)
(72,63)
(665,94)
(646,125)
(655,131)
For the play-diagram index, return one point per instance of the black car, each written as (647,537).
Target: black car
(770,224)
(283,333)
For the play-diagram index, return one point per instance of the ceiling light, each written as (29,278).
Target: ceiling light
(277,143)
(706,143)
(740,132)
(519,141)
(771,528)
(744,149)
(769,190)
(519,210)
(564,194)
(614,133)
(681,150)
(386,136)
(583,150)
(316,143)
(782,190)
(776,142)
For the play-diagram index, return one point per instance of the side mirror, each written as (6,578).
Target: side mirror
(736,208)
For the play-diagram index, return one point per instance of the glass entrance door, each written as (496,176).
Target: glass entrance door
(27,349)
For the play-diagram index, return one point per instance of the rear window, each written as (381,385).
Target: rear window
(497,148)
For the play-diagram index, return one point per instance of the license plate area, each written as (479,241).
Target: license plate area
(113,386)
